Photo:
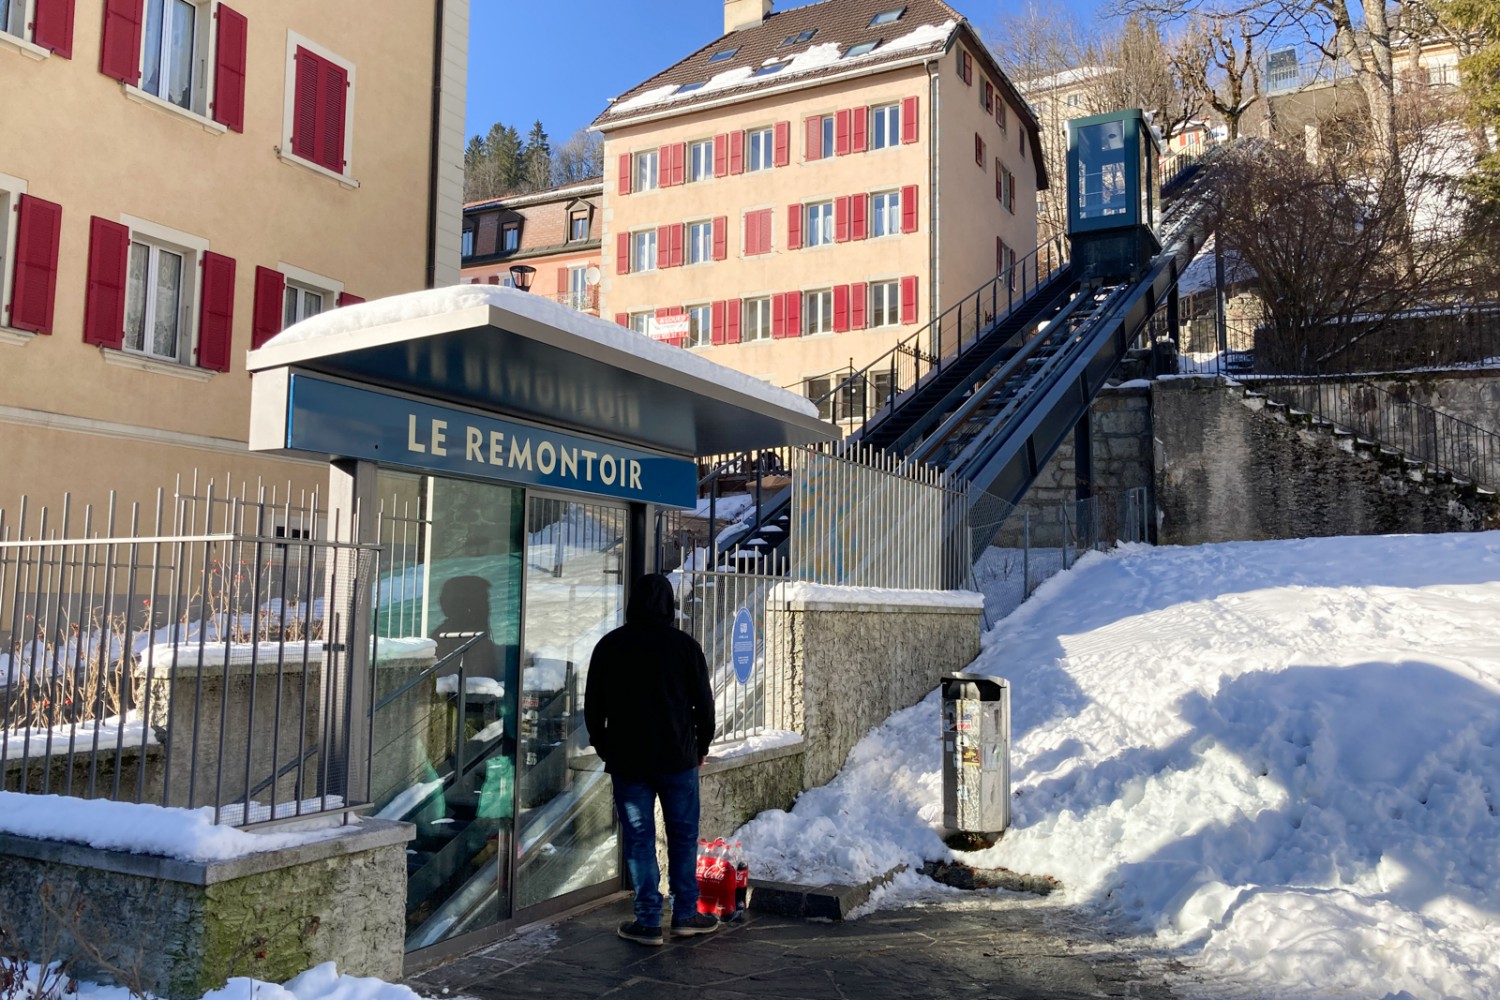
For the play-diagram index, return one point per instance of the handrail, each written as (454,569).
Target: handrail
(428,672)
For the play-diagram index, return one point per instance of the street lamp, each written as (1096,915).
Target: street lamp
(521,275)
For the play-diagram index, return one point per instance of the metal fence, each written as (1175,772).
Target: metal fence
(199,653)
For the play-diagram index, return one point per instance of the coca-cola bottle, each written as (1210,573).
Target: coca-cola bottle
(705,886)
(741,879)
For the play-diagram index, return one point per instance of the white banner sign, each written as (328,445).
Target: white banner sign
(667,327)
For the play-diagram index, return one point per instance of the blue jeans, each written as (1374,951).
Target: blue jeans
(635,802)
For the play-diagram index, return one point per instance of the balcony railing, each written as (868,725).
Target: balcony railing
(586,300)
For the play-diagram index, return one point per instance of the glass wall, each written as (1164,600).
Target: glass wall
(1101,181)
(575,559)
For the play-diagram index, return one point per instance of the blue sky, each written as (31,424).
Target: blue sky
(561,60)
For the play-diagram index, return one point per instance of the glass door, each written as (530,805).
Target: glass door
(575,593)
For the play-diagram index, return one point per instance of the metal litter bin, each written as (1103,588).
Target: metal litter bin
(976,753)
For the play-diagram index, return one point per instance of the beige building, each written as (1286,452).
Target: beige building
(814,186)
(194,177)
(556,232)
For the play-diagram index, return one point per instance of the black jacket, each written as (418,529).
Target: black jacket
(648,704)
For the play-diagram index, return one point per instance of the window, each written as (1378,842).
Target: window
(821,134)
(966,66)
(11,188)
(700,326)
(1002,115)
(760,149)
(757,320)
(987,97)
(817,311)
(318,114)
(510,237)
(887,16)
(156,318)
(881,382)
(723,54)
(641,323)
(768,70)
(887,123)
(817,390)
(701,160)
(646,170)
(578,226)
(757,232)
(643,251)
(801,36)
(13,17)
(700,242)
(1074,100)
(154,301)
(818,227)
(169,59)
(299,302)
(885,303)
(688,88)
(1008,190)
(467,247)
(885,213)
(979,149)
(861,49)
(578,288)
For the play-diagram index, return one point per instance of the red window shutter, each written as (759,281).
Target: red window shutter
(778,317)
(988,98)
(216,312)
(721,237)
(624,161)
(737,152)
(840,308)
(346,299)
(909,209)
(664,161)
(859,217)
(104,300)
(493,279)
(229,73)
(843,125)
(858,295)
(999,187)
(623,319)
(679,241)
(1010,192)
(794,314)
(53,26)
(793,227)
(120,49)
(732,327)
(679,164)
(909,299)
(978,149)
(305,104)
(716,322)
(622,253)
(908,120)
(562,281)
(966,66)
(860,138)
(814,138)
(721,155)
(334,94)
(841,220)
(999,255)
(783,143)
(38,231)
(266,321)
(663,246)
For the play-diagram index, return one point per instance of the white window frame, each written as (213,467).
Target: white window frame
(700,242)
(288,109)
(203,61)
(643,250)
(645,170)
(466,243)
(578,287)
(11,189)
(506,228)
(891,113)
(760,149)
(885,303)
(640,322)
(23,15)
(760,307)
(578,215)
(890,212)
(817,303)
(310,281)
(700,325)
(817,221)
(700,161)
(192,248)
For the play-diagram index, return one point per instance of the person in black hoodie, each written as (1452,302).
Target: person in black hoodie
(650,715)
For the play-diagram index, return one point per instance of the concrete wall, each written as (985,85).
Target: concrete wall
(181,928)
(1472,396)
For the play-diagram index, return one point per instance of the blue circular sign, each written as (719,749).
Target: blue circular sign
(742,646)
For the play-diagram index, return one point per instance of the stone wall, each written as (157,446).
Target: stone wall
(1230,467)
(179,928)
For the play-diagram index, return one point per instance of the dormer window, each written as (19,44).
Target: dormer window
(800,37)
(723,54)
(861,48)
(887,16)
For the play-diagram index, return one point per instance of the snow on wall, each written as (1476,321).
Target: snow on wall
(800,591)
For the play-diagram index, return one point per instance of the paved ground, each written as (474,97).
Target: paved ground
(997,946)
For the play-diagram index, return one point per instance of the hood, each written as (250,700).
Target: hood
(651,601)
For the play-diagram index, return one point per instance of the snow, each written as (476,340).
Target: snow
(1280,759)
(321,982)
(339,323)
(487,686)
(187,834)
(802,591)
(814,57)
(770,739)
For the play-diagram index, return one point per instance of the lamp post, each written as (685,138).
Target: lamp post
(521,275)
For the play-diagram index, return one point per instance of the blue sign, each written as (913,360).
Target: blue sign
(347,421)
(742,646)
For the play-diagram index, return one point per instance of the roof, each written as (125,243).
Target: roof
(582,189)
(502,350)
(1067,78)
(925,30)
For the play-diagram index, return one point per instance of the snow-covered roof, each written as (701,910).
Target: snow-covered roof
(580,190)
(1067,78)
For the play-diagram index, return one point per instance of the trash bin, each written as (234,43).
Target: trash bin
(976,753)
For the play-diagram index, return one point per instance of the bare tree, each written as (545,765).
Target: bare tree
(1216,60)
(581,158)
(1141,74)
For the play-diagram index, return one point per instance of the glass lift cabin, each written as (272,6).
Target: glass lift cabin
(1112,195)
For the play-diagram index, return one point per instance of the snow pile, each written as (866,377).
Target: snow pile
(1282,758)
(321,982)
(826,594)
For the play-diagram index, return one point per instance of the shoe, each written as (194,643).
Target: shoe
(698,923)
(641,934)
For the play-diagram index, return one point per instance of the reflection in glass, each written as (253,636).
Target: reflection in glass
(1101,171)
(574,594)
(180,71)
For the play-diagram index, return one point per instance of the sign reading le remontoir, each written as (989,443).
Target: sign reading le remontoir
(355,422)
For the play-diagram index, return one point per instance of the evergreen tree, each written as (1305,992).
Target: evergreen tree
(536,160)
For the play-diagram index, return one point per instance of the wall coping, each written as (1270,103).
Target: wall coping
(366,835)
(873,607)
(718,765)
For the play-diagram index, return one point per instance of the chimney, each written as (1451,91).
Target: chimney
(744,14)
